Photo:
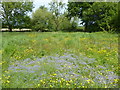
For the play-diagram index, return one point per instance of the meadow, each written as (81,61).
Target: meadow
(59,60)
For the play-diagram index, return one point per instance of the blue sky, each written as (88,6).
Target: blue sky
(38,3)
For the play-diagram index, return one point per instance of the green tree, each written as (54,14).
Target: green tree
(14,14)
(41,19)
(116,20)
(95,16)
(77,9)
(99,16)
(57,9)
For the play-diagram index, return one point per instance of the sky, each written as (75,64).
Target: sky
(38,3)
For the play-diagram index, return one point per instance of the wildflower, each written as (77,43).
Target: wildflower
(51,86)
(54,74)
(41,80)
(80,83)
(105,86)
(83,86)
(62,79)
(90,49)
(6,72)
(69,66)
(53,81)
(67,84)
(116,80)
(0,51)
(102,51)
(70,81)
(8,81)
(89,81)
(38,85)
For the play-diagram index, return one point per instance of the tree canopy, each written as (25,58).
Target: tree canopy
(14,14)
(41,19)
(96,16)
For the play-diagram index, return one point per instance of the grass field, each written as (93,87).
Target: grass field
(59,60)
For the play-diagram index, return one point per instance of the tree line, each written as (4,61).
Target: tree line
(95,16)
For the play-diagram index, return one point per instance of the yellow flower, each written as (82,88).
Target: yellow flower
(80,83)
(89,81)
(83,86)
(0,51)
(116,80)
(41,80)
(38,85)
(105,86)
(8,81)
(67,84)
(90,49)
(54,74)
(70,81)
(6,72)
(51,86)
(62,79)
(102,51)
(53,81)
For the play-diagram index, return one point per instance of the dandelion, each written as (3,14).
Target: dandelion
(102,51)
(89,81)
(116,80)
(80,83)
(8,81)
(70,81)
(54,74)
(38,85)
(62,79)
(51,86)
(83,86)
(6,72)
(53,81)
(0,51)
(106,86)
(41,80)
(67,84)
(90,49)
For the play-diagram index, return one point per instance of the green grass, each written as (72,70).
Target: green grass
(19,46)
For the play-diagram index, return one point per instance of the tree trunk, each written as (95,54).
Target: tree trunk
(10,28)
(86,27)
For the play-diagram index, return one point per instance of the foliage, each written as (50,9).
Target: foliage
(116,19)
(45,20)
(14,14)
(41,19)
(77,9)
(99,16)
(95,16)
(56,8)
